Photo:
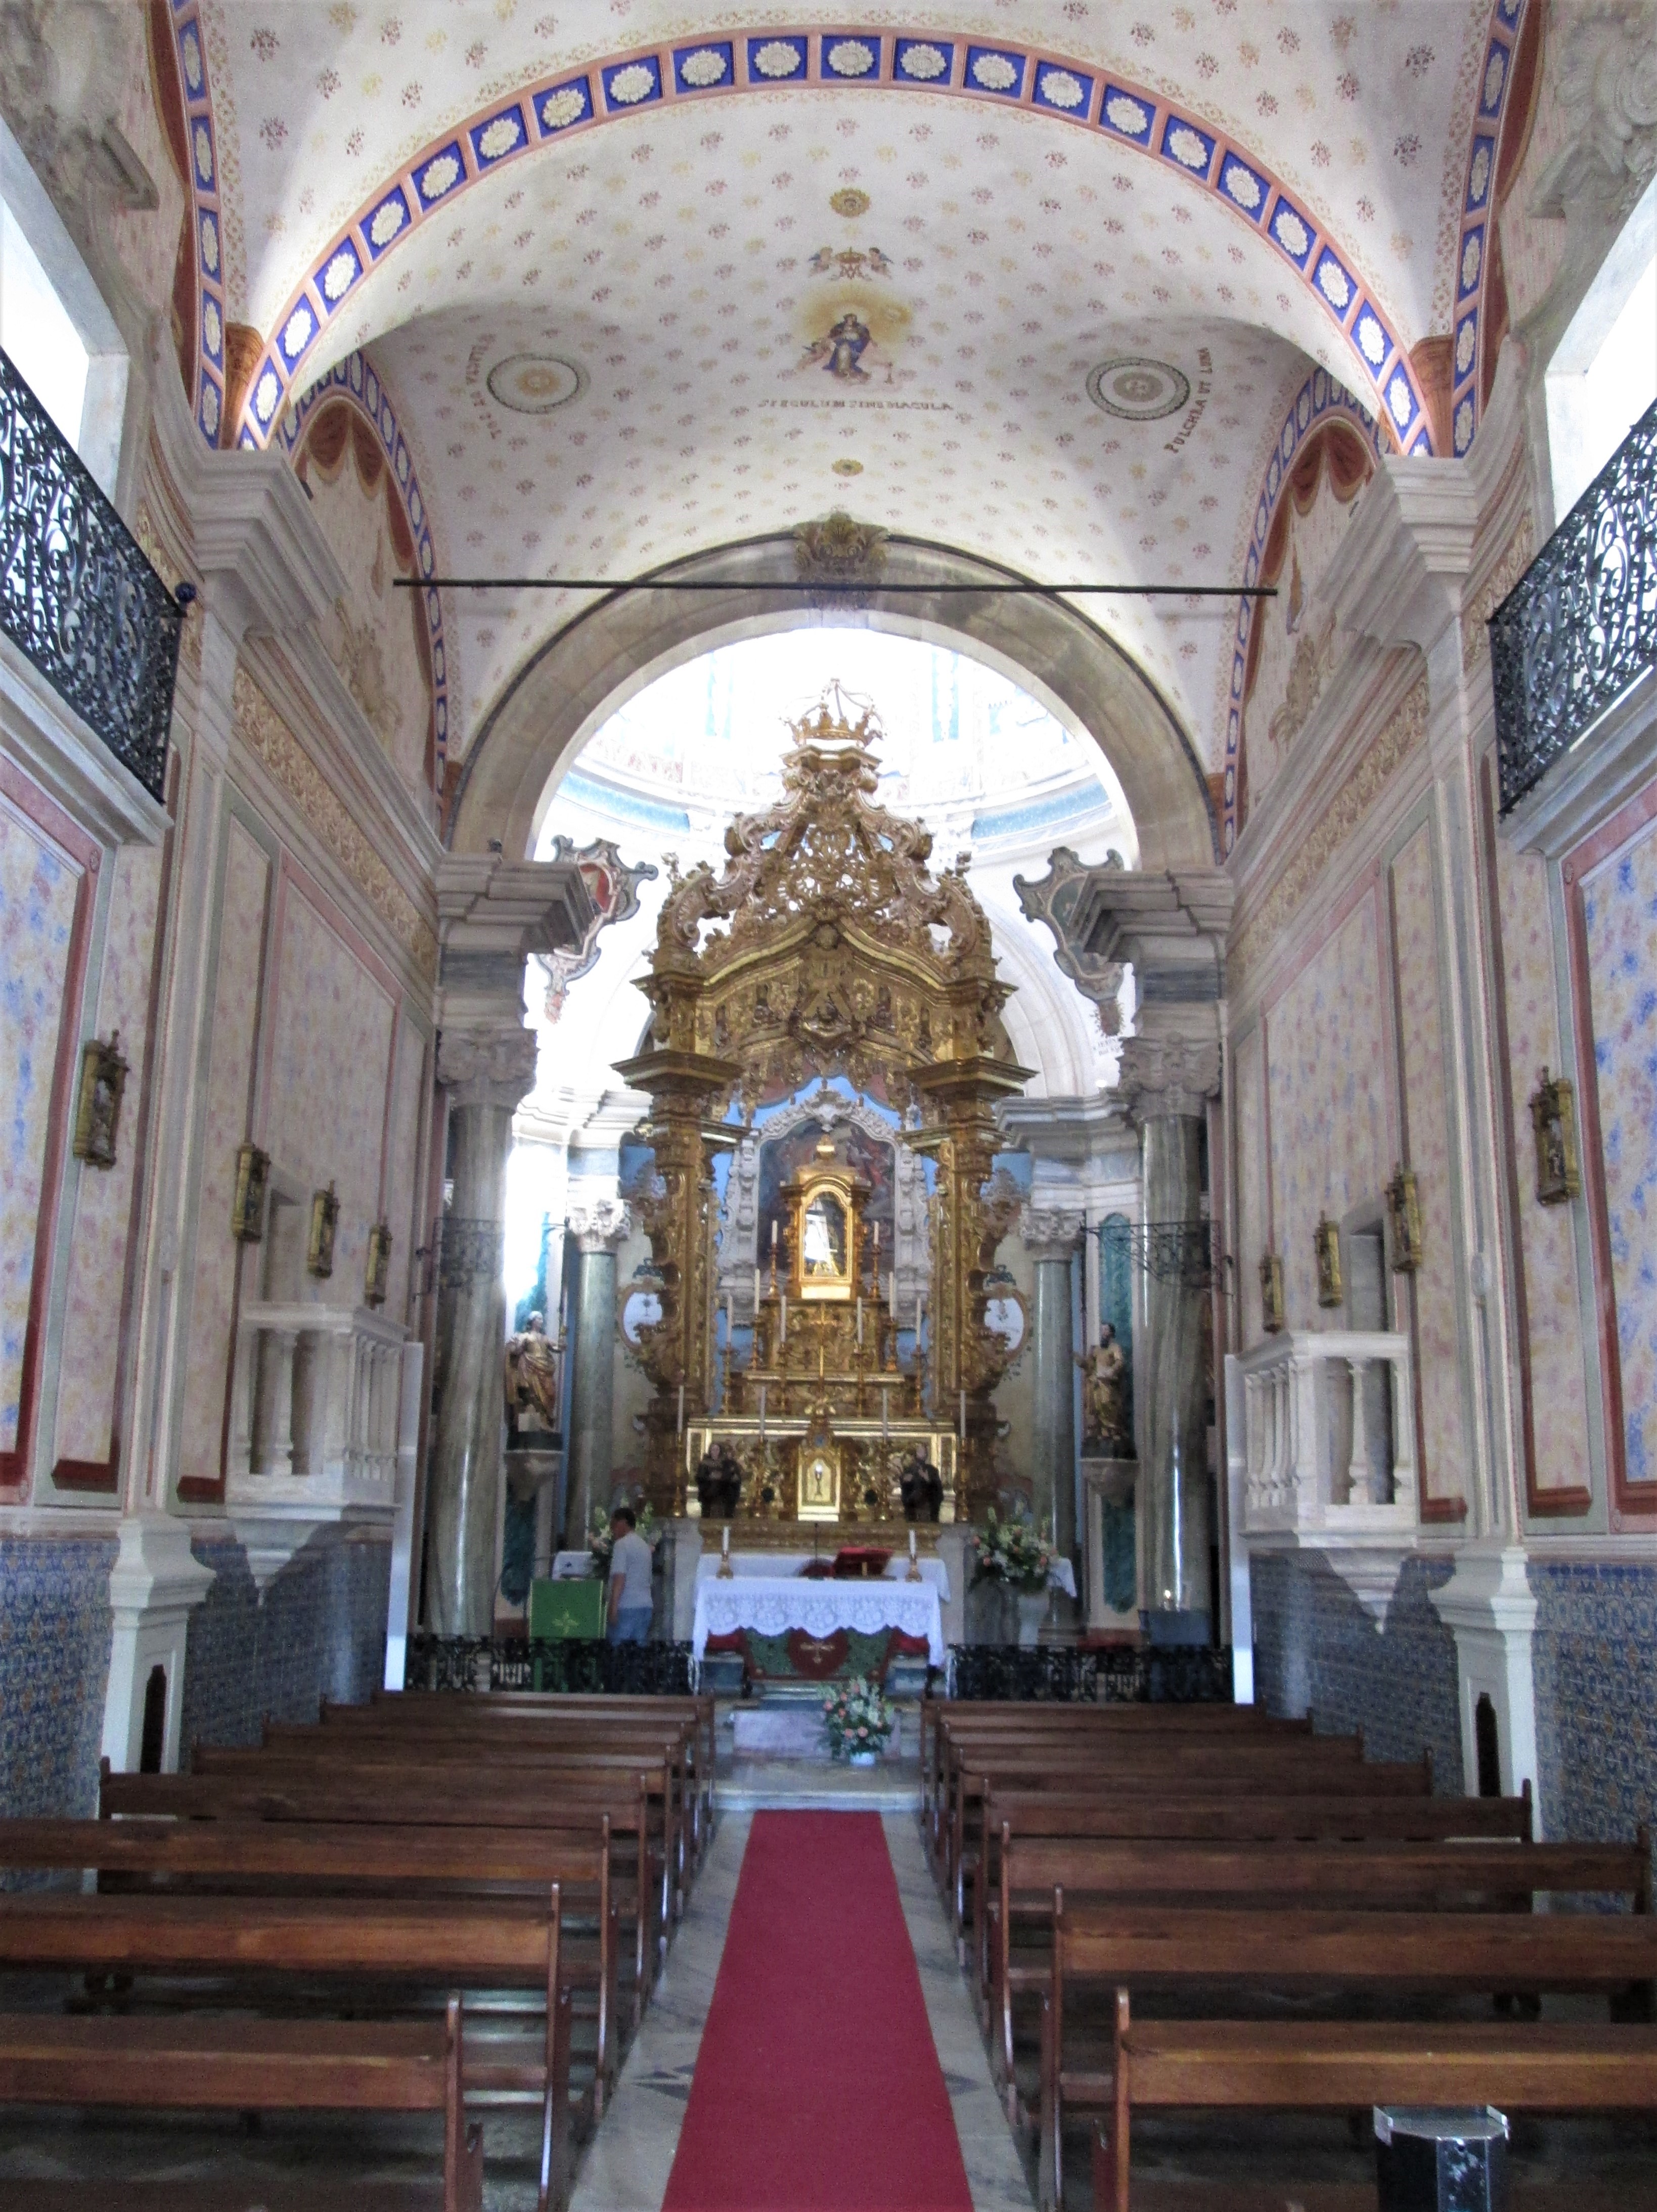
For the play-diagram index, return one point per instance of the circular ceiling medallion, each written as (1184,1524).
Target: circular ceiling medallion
(1138,390)
(535,383)
(849,200)
(847,467)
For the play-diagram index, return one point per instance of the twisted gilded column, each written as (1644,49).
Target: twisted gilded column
(597,1231)
(1051,1234)
(1167,1083)
(486,1074)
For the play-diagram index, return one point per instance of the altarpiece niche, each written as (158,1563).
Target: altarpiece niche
(825,1330)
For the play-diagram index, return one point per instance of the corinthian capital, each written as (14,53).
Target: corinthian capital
(1051,1232)
(487,1067)
(599,1224)
(1168,1075)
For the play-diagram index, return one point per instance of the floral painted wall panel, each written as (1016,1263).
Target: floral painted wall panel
(1294,651)
(1328,1108)
(1559,1420)
(103,1203)
(1619,910)
(1253,1217)
(236,1026)
(1421,1027)
(330,1061)
(39,885)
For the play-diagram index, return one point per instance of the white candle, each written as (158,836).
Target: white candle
(681,1409)
(912,1547)
(762,1412)
(783,1332)
(917,1324)
(892,1292)
(860,1324)
(756,1293)
(877,1251)
(725,1542)
(886,1399)
(963,1426)
(773,1240)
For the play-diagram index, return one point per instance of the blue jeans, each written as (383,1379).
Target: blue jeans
(631,1625)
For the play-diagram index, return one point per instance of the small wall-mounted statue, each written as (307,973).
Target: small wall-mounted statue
(719,1483)
(1105,1395)
(1553,1122)
(920,1486)
(1326,1241)
(532,1383)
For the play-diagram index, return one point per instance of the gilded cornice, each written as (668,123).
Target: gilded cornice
(262,729)
(1401,733)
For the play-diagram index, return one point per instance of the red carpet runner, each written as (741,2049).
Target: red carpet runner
(818,2089)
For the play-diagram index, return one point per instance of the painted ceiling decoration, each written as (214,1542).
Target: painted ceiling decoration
(361,383)
(1129,115)
(209,217)
(1506,20)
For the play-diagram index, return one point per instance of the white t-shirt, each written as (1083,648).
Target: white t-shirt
(632,1557)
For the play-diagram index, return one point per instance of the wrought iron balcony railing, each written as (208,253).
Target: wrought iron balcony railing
(77,595)
(1581,623)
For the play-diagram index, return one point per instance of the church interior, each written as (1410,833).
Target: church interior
(828,1061)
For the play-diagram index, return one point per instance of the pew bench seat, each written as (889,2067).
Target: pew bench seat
(195,2064)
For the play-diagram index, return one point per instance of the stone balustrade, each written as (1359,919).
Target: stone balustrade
(1321,1430)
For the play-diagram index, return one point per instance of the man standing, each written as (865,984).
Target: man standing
(630,1600)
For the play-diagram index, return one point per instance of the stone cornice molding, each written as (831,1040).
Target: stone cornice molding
(1076,1131)
(486,904)
(1163,1076)
(487,1066)
(1051,1232)
(599,1224)
(1398,573)
(1170,925)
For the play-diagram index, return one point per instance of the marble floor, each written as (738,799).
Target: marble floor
(627,2164)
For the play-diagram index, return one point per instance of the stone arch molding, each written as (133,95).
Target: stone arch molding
(535,730)
(726,64)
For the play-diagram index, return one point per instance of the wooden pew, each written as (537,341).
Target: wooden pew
(1269,1774)
(250,2065)
(1366,1877)
(1237,1820)
(573,1804)
(513,1708)
(1185,1950)
(1186,2065)
(448,1943)
(286,1858)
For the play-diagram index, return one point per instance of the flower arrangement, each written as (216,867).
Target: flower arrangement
(1010,1551)
(858,1719)
(600,1543)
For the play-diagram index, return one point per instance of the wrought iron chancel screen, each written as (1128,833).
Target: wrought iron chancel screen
(77,597)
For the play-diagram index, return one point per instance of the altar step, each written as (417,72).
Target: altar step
(798,1785)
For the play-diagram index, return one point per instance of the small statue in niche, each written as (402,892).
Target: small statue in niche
(1105,1393)
(532,1383)
(762,1004)
(719,1483)
(721,1030)
(920,1486)
(882,1015)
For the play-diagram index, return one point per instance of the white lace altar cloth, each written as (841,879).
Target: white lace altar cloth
(773,1605)
(774,1566)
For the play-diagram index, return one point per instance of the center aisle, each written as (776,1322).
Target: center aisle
(817,2086)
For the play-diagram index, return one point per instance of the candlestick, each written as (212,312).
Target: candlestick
(725,1555)
(913,1574)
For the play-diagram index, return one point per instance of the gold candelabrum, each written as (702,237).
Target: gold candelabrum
(823,959)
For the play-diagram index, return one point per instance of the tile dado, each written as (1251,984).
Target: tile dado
(318,1632)
(1594,1661)
(1316,1650)
(55,1626)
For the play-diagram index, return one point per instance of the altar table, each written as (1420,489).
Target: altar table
(774,1566)
(772,1605)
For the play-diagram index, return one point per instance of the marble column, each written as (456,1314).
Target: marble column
(1168,1083)
(486,1073)
(598,1229)
(1050,1236)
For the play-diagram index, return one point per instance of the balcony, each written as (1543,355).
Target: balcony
(1320,1429)
(1581,625)
(323,1424)
(77,597)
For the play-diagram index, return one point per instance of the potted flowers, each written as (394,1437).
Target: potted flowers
(858,1719)
(1010,1554)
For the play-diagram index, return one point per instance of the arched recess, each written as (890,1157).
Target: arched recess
(537,727)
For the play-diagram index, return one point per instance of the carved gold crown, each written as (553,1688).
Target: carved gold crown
(842,720)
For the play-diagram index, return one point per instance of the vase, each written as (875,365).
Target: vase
(863,1758)
(1032,1611)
